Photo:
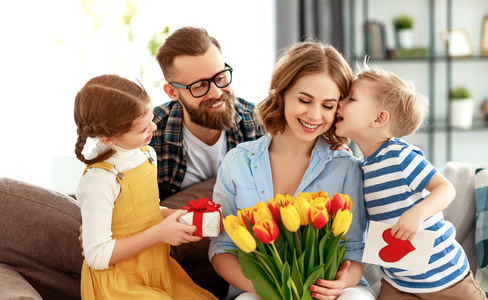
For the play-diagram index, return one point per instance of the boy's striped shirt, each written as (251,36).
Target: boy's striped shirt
(395,177)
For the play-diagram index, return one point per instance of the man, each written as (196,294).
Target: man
(204,119)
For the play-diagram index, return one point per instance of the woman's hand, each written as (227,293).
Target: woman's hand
(331,289)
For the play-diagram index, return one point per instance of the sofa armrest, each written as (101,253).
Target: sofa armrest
(14,286)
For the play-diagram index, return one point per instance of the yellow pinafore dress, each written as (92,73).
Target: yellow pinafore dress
(152,274)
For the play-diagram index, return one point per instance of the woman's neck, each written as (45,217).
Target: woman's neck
(286,145)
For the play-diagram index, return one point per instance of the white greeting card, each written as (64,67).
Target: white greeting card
(385,250)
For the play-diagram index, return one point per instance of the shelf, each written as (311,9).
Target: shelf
(437,58)
(479,124)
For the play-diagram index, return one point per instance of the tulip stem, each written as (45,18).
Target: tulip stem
(299,244)
(258,255)
(294,288)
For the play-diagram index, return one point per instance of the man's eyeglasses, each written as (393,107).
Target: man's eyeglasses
(201,87)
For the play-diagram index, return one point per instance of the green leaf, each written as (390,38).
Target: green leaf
(322,244)
(311,249)
(316,273)
(276,258)
(285,276)
(332,252)
(288,235)
(301,265)
(260,280)
(297,277)
(274,270)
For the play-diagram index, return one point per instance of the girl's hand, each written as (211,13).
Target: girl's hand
(331,289)
(175,233)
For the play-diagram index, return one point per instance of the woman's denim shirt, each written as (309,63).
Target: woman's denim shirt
(244,178)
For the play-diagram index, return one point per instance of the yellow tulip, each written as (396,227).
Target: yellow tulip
(290,218)
(303,208)
(239,234)
(261,212)
(246,214)
(342,222)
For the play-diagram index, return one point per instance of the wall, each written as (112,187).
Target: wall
(467,146)
(51,48)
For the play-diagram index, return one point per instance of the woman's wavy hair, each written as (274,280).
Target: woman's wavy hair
(107,106)
(300,59)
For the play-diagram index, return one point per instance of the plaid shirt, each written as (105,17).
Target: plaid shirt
(168,141)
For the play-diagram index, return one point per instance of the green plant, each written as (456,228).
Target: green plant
(403,21)
(460,92)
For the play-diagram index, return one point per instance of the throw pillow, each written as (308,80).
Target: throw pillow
(481,235)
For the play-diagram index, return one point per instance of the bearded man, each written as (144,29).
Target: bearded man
(204,119)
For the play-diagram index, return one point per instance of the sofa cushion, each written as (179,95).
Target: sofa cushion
(39,238)
(15,286)
(481,194)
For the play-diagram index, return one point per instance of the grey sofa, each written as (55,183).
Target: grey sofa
(40,254)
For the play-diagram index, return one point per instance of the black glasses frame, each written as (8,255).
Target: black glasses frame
(209,80)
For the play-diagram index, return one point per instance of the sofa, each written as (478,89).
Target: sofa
(40,256)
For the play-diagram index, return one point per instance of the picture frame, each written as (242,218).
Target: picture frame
(457,43)
(484,37)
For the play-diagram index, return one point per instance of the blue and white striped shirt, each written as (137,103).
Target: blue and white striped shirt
(395,177)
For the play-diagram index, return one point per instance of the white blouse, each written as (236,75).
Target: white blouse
(97,192)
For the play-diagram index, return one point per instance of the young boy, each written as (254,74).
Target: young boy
(401,187)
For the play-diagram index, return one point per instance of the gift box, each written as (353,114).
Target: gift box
(204,214)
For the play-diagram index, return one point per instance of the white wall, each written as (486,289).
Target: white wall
(49,51)
(467,146)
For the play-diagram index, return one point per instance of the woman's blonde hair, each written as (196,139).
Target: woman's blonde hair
(107,106)
(406,106)
(303,58)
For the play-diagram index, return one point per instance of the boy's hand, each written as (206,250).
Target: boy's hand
(408,225)
(340,147)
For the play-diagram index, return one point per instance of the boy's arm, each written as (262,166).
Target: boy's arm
(442,193)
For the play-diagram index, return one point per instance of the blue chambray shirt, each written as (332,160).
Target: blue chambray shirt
(244,179)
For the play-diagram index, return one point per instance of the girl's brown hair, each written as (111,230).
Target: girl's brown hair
(107,106)
(190,41)
(302,59)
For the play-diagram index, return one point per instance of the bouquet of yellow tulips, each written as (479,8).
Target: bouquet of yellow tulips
(287,243)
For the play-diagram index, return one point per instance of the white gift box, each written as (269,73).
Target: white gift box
(210,223)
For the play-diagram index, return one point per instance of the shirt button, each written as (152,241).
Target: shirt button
(255,167)
(252,153)
(173,190)
(181,171)
(262,192)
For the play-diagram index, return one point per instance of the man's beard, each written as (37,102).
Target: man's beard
(220,120)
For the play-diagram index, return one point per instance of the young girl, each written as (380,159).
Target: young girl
(126,236)
(296,156)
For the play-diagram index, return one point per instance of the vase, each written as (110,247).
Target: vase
(462,113)
(405,38)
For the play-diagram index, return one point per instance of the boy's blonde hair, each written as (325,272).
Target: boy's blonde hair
(406,106)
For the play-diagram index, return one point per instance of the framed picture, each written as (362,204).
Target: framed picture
(484,37)
(457,42)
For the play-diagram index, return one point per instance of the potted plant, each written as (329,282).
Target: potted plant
(462,107)
(403,31)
